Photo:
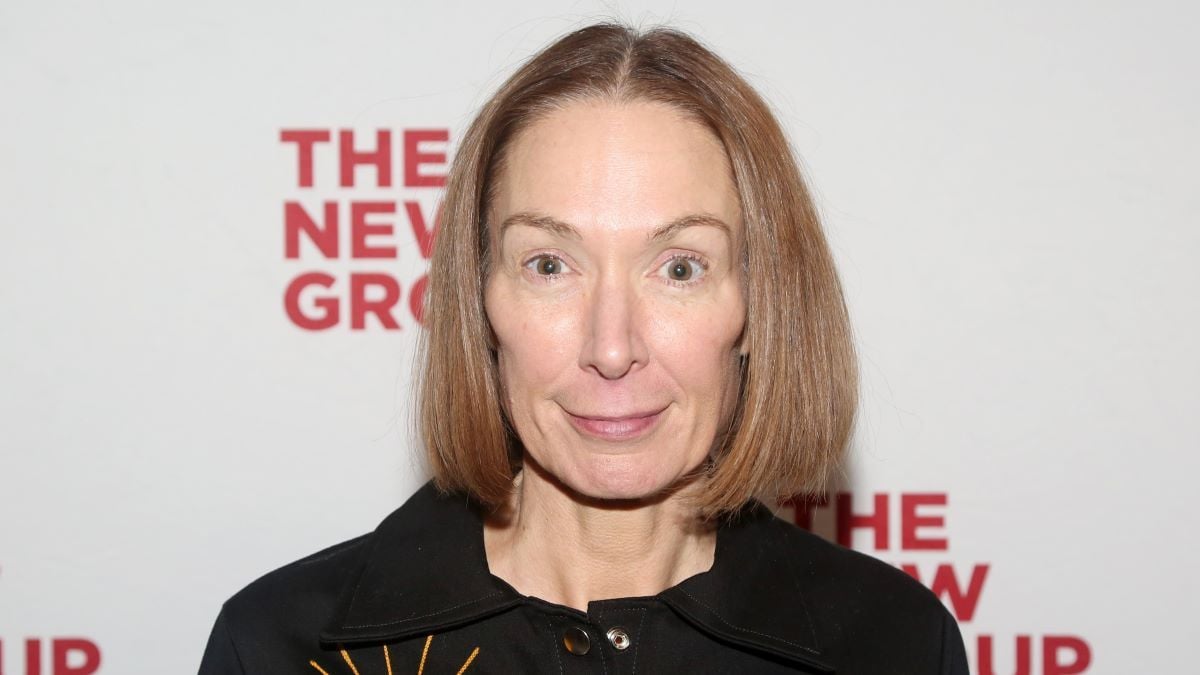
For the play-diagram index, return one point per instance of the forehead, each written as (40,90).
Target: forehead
(617,165)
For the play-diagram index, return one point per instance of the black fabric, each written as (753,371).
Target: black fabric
(417,596)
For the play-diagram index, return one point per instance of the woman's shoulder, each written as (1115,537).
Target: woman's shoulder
(302,592)
(317,580)
(844,570)
(847,598)
(281,611)
(290,610)
(830,575)
(313,575)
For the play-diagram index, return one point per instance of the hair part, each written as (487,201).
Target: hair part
(798,393)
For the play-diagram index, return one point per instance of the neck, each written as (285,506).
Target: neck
(562,547)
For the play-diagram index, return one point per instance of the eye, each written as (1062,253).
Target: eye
(546,265)
(684,269)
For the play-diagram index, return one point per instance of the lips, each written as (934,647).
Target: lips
(616,427)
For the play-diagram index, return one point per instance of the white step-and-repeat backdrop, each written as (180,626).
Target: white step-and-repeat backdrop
(198,387)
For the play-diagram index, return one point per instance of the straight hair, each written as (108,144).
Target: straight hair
(798,389)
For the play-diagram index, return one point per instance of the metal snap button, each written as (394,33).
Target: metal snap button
(619,638)
(576,640)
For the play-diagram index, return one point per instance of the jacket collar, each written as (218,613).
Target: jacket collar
(425,570)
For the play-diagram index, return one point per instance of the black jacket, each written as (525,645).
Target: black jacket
(416,596)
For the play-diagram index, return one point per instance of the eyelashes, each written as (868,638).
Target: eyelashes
(680,269)
(685,269)
(546,267)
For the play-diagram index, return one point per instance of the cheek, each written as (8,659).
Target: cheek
(699,348)
(536,341)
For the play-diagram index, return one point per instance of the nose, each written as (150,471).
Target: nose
(614,345)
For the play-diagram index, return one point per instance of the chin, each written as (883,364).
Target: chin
(621,478)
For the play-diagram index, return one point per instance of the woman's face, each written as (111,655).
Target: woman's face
(614,294)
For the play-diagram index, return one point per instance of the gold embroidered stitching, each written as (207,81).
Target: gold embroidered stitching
(424,652)
(346,656)
(468,663)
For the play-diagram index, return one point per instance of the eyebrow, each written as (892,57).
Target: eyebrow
(558,227)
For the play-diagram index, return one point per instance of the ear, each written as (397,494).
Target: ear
(489,333)
(743,349)
(490,336)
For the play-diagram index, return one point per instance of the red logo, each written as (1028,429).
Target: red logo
(353,230)
(68,656)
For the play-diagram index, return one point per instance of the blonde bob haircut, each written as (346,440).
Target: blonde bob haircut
(799,380)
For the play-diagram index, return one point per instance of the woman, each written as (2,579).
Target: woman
(635,335)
